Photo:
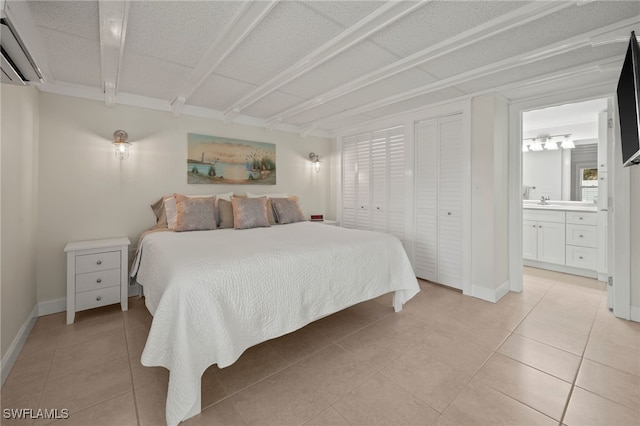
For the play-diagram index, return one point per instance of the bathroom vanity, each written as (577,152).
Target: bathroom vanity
(562,236)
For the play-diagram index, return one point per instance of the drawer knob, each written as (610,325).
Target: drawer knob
(580,257)
(99,280)
(534,226)
(580,236)
(580,218)
(448,213)
(99,298)
(99,262)
(539,226)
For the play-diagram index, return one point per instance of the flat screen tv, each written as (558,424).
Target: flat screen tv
(629,104)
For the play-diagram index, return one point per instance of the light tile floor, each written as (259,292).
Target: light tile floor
(553,354)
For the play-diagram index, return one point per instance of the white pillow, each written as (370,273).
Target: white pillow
(226,196)
(274,195)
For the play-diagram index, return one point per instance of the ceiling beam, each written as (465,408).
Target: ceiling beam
(610,33)
(241,24)
(515,18)
(113,15)
(605,65)
(382,17)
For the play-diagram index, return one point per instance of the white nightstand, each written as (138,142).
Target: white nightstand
(97,274)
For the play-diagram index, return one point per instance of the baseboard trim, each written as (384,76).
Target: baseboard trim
(16,346)
(49,307)
(561,268)
(489,294)
(635,313)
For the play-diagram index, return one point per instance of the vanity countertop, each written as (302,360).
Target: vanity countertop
(558,205)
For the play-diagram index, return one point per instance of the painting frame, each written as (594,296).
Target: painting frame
(227,161)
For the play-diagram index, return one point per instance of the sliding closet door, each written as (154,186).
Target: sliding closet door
(379,179)
(438,200)
(426,200)
(363,194)
(396,182)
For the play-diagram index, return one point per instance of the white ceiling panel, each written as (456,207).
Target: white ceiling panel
(348,122)
(218,92)
(417,102)
(555,63)
(78,18)
(437,21)
(312,114)
(345,13)
(388,87)
(77,59)
(176,31)
(151,77)
(271,104)
(288,33)
(350,64)
(551,29)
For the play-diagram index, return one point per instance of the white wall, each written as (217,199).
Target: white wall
(635,239)
(19,173)
(489,199)
(86,193)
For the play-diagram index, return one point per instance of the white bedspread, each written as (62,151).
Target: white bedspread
(214,294)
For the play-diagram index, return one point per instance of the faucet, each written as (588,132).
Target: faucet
(543,200)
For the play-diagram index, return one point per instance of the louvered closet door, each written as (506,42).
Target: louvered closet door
(363,188)
(349,182)
(396,182)
(426,200)
(379,178)
(450,190)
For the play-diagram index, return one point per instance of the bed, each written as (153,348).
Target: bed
(213,294)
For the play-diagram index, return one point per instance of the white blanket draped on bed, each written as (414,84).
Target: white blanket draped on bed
(214,294)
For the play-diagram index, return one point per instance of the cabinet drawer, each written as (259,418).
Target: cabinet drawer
(97,262)
(96,298)
(543,215)
(582,235)
(581,257)
(97,280)
(582,218)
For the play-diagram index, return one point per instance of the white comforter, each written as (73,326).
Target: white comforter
(214,294)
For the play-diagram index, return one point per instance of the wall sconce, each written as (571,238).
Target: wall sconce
(315,159)
(121,144)
(567,143)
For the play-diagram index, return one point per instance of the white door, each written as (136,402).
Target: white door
(363,194)
(551,242)
(379,180)
(349,182)
(426,200)
(530,239)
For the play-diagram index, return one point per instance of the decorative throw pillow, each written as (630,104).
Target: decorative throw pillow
(171,212)
(287,210)
(249,213)
(159,212)
(195,213)
(225,214)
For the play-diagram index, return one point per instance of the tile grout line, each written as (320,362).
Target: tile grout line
(575,378)
(133,388)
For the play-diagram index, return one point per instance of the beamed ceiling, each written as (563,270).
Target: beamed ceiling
(322,67)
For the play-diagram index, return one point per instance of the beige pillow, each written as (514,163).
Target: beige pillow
(249,213)
(287,210)
(160,212)
(195,213)
(225,214)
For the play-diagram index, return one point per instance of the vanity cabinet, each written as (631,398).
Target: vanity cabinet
(544,236)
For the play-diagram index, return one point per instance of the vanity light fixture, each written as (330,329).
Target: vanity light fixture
(567,143)
(536,146)
(121,144)
(550,145)
(315,159)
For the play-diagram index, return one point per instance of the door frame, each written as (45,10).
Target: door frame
(620,266)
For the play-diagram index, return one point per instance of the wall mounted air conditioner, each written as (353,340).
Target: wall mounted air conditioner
(18,63)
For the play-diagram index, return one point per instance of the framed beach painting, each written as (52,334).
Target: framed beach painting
(217,160)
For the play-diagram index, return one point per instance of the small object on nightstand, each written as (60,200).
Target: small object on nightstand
(317,218)
(97,274)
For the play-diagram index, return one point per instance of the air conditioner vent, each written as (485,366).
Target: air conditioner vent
(17,64)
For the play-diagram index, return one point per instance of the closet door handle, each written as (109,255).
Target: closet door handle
(99,280)
(99,262)
(448,213)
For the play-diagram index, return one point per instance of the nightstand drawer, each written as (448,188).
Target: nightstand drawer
(96,298)
(97,280)
(582,235)
(97,262)
(581,257)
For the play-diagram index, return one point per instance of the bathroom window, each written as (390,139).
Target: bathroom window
(588,184)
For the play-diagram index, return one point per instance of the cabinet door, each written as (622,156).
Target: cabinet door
(551,242)
(426,200)
(396,189)
(530,239)
(349,182)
